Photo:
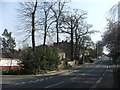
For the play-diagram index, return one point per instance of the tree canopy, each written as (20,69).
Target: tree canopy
(111,35)
(8,42)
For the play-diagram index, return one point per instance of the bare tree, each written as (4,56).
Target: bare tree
(70,25)
(58,10)
(83,37)
(111,38)
(27,14)
(75,25)
(47,18)
(33,25)
(114,12)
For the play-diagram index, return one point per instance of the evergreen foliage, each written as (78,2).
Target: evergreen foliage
(8,42)
(42,60)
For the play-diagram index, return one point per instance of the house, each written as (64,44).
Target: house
(64,49)
(61,55)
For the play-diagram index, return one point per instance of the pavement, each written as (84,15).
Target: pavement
(106,81)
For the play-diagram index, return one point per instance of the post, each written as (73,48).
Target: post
(96,51)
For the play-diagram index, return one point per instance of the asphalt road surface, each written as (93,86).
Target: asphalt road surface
(81,77)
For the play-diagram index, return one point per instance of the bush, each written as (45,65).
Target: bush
(65,60)
(13,72)
(82,61)
(40,61)
(91,61)
(88,59)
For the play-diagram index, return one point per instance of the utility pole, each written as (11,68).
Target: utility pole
(0,47)
(96,50)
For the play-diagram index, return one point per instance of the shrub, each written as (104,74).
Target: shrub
(82,61)
(87,58)
(43,59)
(12,72)
(65,60)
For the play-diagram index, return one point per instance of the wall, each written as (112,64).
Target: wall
(8,63)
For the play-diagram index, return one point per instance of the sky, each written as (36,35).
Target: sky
(97,13)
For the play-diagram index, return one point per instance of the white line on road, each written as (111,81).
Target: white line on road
(99,80)
(54,85)
(84,74)
(21,83)
(34,81)
(31,81)
(17,83)
(46,78)
(75,77)
(37,80)
(41,79)
(51,77)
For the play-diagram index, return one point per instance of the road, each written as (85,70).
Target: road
(80,77)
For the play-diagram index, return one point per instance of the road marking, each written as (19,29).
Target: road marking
(45,78)
(17,83)
(41,79)
(50,77)
(21,83)
(84,74)
(33,81)
(37,80)
(75,77)
(54,85)
(30,81)
(99,80)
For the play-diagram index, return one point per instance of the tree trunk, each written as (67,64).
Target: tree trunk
(76,45)
(71,42)
(45,32)
(33,31)
(33,26)
(57,34)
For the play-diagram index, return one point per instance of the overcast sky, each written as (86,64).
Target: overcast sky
(97,13)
